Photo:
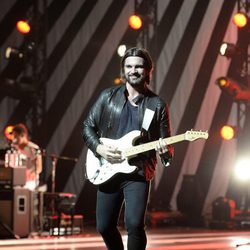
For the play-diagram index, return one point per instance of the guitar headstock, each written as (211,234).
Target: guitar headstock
(192,135)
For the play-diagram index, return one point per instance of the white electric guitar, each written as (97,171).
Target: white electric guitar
(98,170)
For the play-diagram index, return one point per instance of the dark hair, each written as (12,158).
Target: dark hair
(140,52)
(20,129)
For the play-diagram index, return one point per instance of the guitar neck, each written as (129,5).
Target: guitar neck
(151,145)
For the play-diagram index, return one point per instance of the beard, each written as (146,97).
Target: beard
(135,79)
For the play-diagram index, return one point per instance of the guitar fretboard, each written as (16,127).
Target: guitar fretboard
(151,145)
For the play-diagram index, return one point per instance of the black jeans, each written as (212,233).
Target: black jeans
(134,192)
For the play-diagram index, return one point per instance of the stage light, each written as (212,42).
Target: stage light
(242,169)
(117,81)
(237,90)
(240,20)
(228,85)
(228,49)
(121,50)
(13,53)
(23,27)
(228,132)
(135,22)
(8,132)
(222,82)
(26,51)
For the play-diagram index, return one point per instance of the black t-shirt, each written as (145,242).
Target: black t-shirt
(129,119)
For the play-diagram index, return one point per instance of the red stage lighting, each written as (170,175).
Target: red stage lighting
(240,20)
(235,89)
(229,86)
(135,22)
(23,27)
(228,132)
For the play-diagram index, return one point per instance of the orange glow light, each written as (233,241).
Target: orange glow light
(135,22)
(227,132)
(117,81)
(23,27)
(240,20)
(8,132)
(223,82)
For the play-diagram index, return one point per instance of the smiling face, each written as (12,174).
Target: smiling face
(134,70)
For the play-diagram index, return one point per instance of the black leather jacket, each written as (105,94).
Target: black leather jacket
(103,121)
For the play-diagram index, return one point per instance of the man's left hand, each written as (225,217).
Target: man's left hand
(161,147)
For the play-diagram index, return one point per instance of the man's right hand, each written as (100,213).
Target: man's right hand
(110,153)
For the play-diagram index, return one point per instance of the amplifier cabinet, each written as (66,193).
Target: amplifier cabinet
(10,177)
(15,212)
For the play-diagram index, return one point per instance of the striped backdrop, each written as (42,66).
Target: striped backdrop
(81,42)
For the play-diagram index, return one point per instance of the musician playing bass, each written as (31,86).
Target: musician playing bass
(118,111)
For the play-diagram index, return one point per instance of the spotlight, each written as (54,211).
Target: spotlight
(242,169)
(13,53)
(228,85)
(222,82)
(228,49)
(117,81)
(8,132)
(228,132)
(23,27)
(236,90)
(240,19)
(121,50)
(135,22)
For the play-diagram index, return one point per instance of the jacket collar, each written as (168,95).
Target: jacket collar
(138,99)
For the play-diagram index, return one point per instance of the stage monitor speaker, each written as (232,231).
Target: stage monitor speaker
(14,213)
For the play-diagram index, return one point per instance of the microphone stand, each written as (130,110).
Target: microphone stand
(54,159)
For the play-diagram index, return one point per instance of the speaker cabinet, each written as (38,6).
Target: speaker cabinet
(190,196)
(11,177)
(14,213)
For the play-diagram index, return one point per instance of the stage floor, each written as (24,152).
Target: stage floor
(158,239)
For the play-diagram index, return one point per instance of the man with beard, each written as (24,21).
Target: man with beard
(118,111)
